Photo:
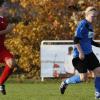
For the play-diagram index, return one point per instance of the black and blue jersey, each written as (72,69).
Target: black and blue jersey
(85,33)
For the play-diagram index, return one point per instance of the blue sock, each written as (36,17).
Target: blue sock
(97,84)
(72,80)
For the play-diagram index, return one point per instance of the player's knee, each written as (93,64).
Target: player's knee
(10,62)
(83,77)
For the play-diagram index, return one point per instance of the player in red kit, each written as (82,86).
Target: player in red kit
(5,56)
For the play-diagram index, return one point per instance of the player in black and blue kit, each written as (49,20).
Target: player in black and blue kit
(83,57)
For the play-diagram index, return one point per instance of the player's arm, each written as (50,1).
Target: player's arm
(78,46)
(80,30)
(95,44)
(8,29)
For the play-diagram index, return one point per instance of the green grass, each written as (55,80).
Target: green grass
(48,91)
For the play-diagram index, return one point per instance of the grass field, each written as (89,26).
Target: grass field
(48,91)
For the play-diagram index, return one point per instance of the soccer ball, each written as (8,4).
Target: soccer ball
(3,23)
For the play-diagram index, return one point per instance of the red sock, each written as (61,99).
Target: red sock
(5,74)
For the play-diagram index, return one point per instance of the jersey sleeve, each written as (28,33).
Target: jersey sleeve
(80,29)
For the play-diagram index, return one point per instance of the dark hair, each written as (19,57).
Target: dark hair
(1,2)
(70,49)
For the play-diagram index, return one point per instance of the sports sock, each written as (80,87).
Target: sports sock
(72,80)
(5,74)
(97,86)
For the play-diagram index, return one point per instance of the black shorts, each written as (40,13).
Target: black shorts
(89,63)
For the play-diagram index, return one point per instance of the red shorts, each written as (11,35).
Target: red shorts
(4,54)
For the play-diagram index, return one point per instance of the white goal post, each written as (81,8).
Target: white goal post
(55,59)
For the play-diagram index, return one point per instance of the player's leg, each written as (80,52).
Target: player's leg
(76,78)
(97,82)
(79,65)
(83,77)
(73,80)
(9,63)
(90,75)
(95,66)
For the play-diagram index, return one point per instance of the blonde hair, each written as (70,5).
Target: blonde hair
(90,9)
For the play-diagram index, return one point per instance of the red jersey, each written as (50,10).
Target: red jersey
(3,25)
(4,53)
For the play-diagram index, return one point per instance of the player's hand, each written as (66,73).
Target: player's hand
(81,56)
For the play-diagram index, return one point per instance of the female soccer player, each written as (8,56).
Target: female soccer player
(83,57)
(5,56)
